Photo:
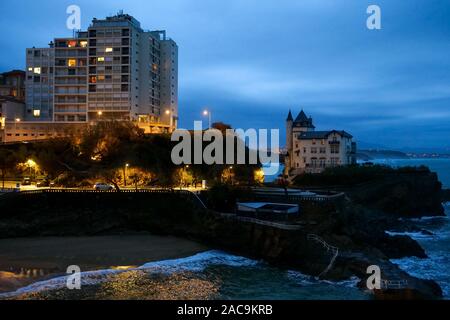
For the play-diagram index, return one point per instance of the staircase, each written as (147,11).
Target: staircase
(333,250)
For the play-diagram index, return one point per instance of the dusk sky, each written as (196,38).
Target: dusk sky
(250,61)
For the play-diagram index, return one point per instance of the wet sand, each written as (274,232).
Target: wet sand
(24,261)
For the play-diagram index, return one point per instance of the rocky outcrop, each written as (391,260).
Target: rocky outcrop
(357,232)
(404,194)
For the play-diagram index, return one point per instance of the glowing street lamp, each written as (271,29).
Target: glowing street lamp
(31,164)
(207,113)
(127,165)
(16,121)
(169,113)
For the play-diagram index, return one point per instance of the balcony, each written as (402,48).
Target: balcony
(71,100)
(70,53)
(70,111)
(70,81)
(63,91)
(73,72)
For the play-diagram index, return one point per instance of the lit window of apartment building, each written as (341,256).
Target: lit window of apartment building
(113,71)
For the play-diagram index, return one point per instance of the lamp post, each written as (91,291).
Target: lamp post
(31,164)
(169,113)
(207,113)
(16,121)
(125,174)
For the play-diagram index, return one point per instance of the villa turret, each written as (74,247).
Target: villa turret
(311,151)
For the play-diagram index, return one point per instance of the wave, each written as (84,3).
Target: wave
(310,280)
(426,219)
(430,269)
(199,262)
(415,235)
(196,263)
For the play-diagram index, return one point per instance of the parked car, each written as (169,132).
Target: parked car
(43,184)
(26,182)
(100,186)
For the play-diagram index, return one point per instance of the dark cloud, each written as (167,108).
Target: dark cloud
(251,61)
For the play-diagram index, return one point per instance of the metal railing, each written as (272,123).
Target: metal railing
(185,193)
(329,248)
(277,225)
(8,190)
(300,198)
(394,284)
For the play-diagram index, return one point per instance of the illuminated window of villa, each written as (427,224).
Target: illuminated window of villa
(30,69)
(93,79)
(37,113)
(109,50)
(101,78)
(37,70)
(72,62)
(72,43)
(83,44)
(101,59)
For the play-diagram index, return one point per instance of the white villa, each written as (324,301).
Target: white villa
(311,151)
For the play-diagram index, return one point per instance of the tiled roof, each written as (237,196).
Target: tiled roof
(322,134)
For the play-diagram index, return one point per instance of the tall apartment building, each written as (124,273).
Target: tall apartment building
(113,71)
(39,84)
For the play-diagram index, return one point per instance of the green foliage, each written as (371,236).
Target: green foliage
(103,150)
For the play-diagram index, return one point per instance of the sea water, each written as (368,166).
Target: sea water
(241,278)
(437,246)
(234,277)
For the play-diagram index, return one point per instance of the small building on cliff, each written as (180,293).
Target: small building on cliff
(311,151)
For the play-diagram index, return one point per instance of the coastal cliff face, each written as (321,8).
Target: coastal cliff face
(357,232)
(408,195)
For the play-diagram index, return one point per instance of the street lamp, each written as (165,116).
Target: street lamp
(207,113)
(169,113)
(100,113)
(16,121)
(31,164)
(125,173)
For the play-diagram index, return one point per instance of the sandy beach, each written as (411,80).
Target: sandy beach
(27,260)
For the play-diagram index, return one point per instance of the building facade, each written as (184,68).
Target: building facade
(113,71)
(12,84)
(311,151)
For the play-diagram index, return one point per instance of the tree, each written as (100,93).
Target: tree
(8,162)
(112,176)
(135,178)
